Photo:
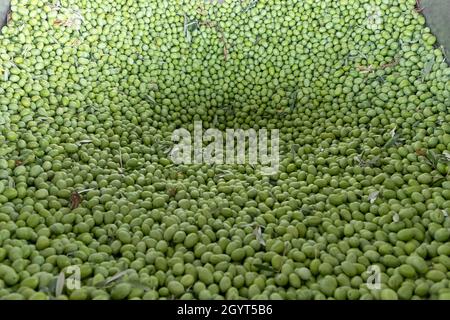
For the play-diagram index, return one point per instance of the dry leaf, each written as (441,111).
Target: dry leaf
(75,200)
(390,64)
(172,192)
(225,52)
(421,152)
(9,17)
(59,22)
(418,7)
(288,247)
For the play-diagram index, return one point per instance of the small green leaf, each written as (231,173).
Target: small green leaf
(263,267)
(438,182)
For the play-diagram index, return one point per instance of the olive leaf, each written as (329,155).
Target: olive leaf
(373,196)
(258,234)
(189,26)
(396,217)
(115,277)
(374,162)
(438,182)
(150,98)
(394,141)
(81,142)
(263,267)
(294,149)
(307,210)
(43,119)
(427,68)
(250,6)
(392,132)
(359,160)
(4,119)
(421,152)
(245,225)
(85,190)
(11,182)
(287,247)
(121,169)
(432,159)
(293,100)
(6,75)
(71,253)
(26,50)
(316,251)
(443,53)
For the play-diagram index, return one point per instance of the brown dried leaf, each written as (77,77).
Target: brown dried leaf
(390,64)
(421,152)
(75,200)
(365,69)
(172,192)
(418,7)
(58,22)
(9,17)
(225,52)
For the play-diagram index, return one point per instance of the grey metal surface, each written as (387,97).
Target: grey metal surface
(437,14)
(4,8)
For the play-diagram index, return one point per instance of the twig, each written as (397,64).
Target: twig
(364,69)
(393,63)
(418,7)
(120,161)
(252,4)
(212,24)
